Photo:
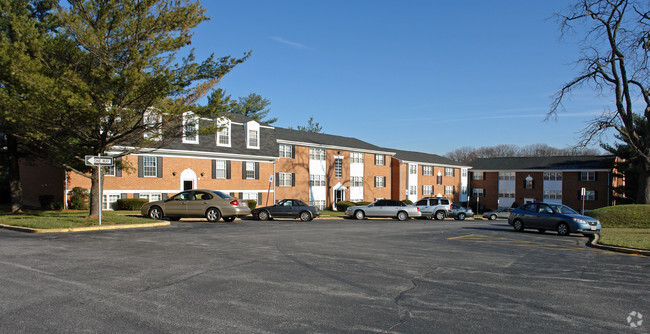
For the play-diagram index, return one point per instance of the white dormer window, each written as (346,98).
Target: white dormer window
(253,135)
(223,132)
(190,128)
(152,122)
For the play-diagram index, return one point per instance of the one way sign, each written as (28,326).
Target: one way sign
(93,160)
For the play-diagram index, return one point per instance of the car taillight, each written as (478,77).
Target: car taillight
(417,208)
(234,202)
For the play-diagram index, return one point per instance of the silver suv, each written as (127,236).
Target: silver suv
(434,207)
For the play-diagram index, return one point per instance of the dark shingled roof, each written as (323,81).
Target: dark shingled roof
(520,163)
(425,158)
(328,140)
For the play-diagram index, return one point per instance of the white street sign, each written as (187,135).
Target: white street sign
(92,160)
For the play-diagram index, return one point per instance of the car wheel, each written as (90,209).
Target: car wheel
(440,215)
(359,215)
(402,216)
(212,215)
(541,230)
(229,219)
(493,217)
(305,216)
(156,213)
(263,215)
(461,216)
(563,229)
(518,225)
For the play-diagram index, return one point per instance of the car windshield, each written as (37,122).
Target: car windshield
(222,195)
(563,209)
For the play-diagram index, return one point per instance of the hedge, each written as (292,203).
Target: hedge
(343,205)
(131,204)
(251,203)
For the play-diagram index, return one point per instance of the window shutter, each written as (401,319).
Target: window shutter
(293,152)
(484,175)
(241,195)
(136,195)
(118,171)
(164,196)
(375,182)
(532,184)
(293,179)
(257,171)
(243,170)
(159,170)
(140,166)
(595,195)
(277,179)
(595,176)
(214,169)
(579,176)
(453,172)
(232,194)
(259,199)
(228,169)
(123,195)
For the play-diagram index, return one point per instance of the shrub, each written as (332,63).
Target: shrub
(343,205)
(79,199)
(251,203)
(407,202)
(46,201)
(131,204)
(363,203)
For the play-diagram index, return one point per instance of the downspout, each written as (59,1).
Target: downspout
(65,189)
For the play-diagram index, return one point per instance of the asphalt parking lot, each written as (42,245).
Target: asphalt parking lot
(377,276)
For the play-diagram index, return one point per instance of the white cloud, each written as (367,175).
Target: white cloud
(294,44)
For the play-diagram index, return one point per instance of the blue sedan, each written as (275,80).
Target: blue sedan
(551,216)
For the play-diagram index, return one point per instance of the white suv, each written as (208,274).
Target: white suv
(434,207)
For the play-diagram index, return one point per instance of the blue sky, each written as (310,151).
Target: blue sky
(427,76)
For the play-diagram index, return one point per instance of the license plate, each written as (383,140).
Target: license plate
(593,228)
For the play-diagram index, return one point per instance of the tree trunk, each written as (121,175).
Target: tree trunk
(15,186)
(643,196)
(94,193)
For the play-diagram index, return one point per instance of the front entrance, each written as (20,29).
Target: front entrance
(338,194)
(187,185)
(188,179)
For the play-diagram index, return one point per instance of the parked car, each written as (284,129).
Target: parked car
(550,216)
(384,208)
(460,213)
(501,213)
(287,208)
(434,207)
(210,204)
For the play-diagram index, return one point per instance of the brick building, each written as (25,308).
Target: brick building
(504,182)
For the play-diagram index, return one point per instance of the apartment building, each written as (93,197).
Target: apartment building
(416,175)
(504,182)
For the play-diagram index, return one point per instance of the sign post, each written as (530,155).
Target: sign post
(583,193)
(99,162)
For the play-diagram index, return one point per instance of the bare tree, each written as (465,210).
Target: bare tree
(615,63)
(467,154)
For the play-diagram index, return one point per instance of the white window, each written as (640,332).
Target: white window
(109,201)
(190,128)
(477,176)
(109,170)
(252,135)
(151,197)
(223,133)
(449,190)
(356,158)
(319,204)
(507,176)
(380,181)
(357,181)
(427,170)
(220,169)
(506,193)
(380,159)
(463,172)
(316,153)
(587,176)
(250,195)
(589,196)
(552,176)
(150,168)
(449,171)
(552,194)
(316,180)
(284,179)
(463,190)
(356,200)
(427,190)
(413,169)
(413,190)
(478,192)
(250,170)
(338,167)
(286,151)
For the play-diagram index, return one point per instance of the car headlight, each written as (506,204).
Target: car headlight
(580,221)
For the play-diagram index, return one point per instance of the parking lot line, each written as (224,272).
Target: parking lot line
(484,239)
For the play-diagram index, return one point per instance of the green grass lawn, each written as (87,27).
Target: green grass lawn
(332,213)
(69,218)
(626,237)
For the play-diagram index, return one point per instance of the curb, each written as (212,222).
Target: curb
(593,242)
(82,229)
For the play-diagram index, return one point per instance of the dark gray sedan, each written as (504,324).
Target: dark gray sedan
(384,208)
(550,216)
(287,208)
(460,213)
